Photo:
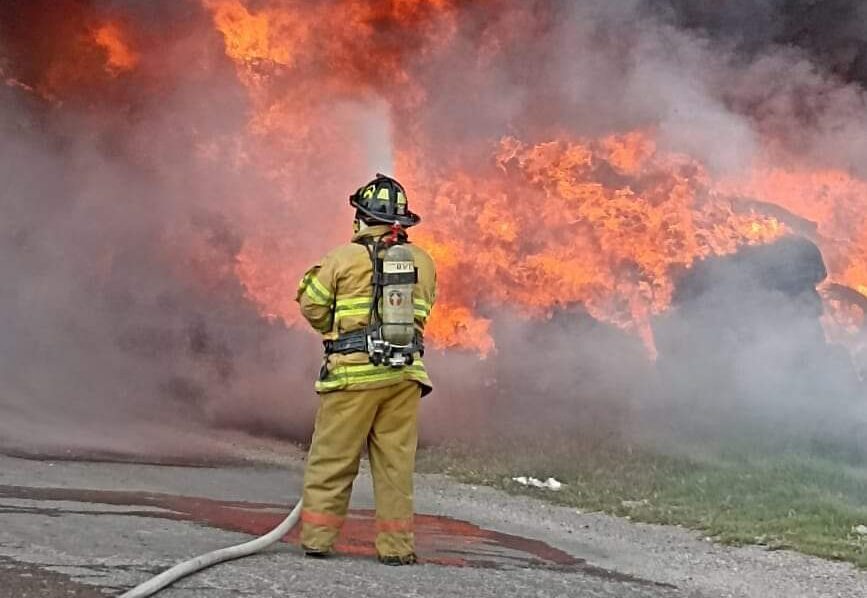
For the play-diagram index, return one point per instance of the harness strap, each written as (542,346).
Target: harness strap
(383,279)
(356,342)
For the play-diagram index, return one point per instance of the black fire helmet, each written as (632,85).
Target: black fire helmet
(383,200)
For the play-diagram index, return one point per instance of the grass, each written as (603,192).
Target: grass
(792,500)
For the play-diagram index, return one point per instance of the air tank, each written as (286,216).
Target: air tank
(398,316)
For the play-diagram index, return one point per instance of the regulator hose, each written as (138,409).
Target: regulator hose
(170,576)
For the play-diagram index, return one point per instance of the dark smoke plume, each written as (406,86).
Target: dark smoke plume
(833,33)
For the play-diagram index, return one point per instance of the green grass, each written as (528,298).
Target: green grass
(793,500)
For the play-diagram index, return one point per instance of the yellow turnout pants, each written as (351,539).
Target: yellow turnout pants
(386,420)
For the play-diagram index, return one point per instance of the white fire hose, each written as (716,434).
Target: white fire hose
(170,576)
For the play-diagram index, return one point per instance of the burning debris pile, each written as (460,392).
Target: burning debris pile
(170,168)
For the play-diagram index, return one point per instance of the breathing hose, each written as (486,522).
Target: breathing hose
(170,576)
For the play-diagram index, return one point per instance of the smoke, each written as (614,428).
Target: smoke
(743,353)
(115,308)
(124,325)
(795,69)
(132,200)
(832,34)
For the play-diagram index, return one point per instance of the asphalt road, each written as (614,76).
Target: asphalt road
(82,529)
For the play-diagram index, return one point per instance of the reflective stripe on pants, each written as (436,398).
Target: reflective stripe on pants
(386,420)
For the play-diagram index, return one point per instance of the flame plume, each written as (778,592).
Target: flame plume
(604,222)
(529,217)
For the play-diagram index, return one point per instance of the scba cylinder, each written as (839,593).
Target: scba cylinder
(398,318)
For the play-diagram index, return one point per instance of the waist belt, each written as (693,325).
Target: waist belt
(350,342)
(356,342)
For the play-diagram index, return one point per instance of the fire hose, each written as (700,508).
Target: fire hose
(170,576)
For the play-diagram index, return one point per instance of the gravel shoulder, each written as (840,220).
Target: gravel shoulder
(664,554)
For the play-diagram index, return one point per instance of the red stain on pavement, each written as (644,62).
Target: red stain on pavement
(439,540)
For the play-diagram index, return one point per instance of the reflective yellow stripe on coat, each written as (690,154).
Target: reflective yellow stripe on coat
(357,307)
(315,290)
(351,308)
(342,376)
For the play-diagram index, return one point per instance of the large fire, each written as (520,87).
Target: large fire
(528,220)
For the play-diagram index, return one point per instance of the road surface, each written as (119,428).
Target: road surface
(86,529)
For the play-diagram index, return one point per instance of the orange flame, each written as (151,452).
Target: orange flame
(534,221)
(602,223)
(271,35)
(605,223)
(119,55)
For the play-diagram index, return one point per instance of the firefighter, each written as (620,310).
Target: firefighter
(370,299)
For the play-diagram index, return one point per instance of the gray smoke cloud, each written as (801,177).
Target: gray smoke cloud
(107,341)
(795,69)
(126,329)
(833,33)
(743,354)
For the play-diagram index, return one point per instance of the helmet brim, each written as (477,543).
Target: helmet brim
(406,220)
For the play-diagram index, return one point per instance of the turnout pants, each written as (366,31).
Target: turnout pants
(385,419)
